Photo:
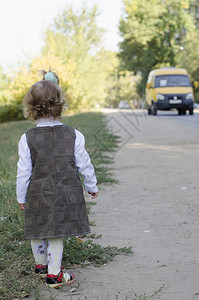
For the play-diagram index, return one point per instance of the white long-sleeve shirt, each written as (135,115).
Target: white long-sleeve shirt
(82,161)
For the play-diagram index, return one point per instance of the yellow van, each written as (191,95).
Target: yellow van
(169,88)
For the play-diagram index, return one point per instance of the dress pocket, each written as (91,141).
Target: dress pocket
(50,191)
(71,194)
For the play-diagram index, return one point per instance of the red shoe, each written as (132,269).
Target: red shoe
(41,270)
(62,278)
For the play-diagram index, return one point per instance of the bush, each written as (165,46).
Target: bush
(11,112)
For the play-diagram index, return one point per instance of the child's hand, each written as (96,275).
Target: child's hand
(93,195)
(22,206)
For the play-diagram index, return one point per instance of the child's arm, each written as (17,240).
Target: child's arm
(84,165)
(24,171)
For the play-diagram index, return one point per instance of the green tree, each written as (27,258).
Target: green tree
(72,46)
(4,84)
(121,85)
(152,32)
(188,57)
(77,40)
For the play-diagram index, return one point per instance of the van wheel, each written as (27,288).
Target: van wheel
(179,112)
(149,111)
(184,112)
(191,111)
(153,110)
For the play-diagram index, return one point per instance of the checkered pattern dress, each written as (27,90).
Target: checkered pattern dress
(55,205)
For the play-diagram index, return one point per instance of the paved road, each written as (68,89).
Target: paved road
(186,120)
(157,201)
(154,208)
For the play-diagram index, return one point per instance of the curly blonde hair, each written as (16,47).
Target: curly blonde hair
(43,100)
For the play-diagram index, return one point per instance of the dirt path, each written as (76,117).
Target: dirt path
(153,208)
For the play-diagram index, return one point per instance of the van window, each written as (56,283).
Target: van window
(172,80)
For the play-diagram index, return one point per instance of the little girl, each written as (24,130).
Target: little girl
(49,189)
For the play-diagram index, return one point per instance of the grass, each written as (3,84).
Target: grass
(78,252)
(16,261)
(100,143)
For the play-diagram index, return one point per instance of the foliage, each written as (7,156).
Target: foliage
(9,112)
(4,84)
(120,85)
(16,262)
(188,58)
(77,40)
(152,32)
(73,48)
(78,252)
(14,91)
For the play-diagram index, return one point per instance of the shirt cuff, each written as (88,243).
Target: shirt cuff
(21,200)
(93,190)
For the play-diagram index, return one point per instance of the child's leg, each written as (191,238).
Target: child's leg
(54,254)
(56,277)
(39,249)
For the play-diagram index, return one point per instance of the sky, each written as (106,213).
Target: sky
(23,23)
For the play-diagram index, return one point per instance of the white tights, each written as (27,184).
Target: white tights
(48,252)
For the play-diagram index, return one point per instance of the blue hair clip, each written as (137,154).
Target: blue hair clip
(50,76)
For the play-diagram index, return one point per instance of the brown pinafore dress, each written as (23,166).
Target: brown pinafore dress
(55,205)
